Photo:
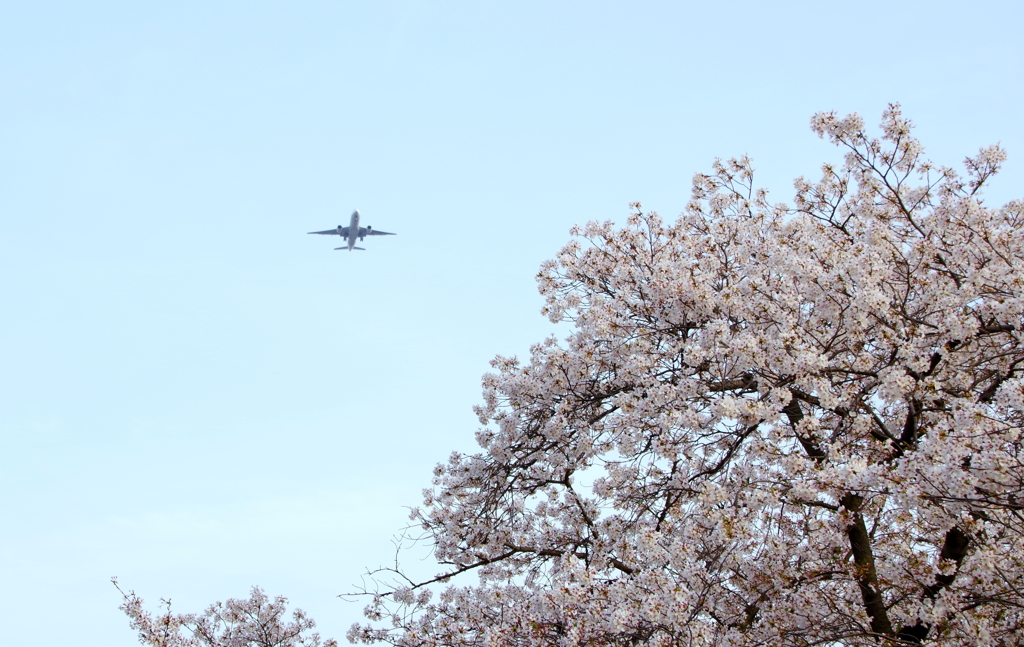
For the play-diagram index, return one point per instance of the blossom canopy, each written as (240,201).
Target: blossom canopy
(771,424)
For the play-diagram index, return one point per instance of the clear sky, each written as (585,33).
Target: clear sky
(197,397)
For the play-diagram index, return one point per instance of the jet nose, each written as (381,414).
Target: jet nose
(356,213)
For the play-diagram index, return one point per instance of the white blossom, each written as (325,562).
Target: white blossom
(255,622)
(770,425)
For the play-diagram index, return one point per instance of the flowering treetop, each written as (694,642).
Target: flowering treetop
(255,622)
(771,425)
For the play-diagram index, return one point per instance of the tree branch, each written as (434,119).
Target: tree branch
(864,561)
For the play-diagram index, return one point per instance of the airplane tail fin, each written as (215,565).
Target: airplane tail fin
(362,249)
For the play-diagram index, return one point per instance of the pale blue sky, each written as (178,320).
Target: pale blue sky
(196,396)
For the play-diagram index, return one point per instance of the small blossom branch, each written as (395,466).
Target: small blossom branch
(255,622)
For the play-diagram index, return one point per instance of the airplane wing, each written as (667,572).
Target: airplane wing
(364,231)
(344,232)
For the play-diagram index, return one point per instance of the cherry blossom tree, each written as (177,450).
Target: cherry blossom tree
(771,424)
(256,622)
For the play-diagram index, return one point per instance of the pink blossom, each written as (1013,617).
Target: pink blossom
(770,425)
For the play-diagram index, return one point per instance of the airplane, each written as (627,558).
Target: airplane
(352,232)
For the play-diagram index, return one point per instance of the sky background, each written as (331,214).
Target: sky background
(198,397)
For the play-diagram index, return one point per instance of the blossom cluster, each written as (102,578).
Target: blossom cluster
(772,424)
(255,622)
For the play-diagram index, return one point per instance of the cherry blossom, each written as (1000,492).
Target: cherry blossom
(771,424)
(256,622)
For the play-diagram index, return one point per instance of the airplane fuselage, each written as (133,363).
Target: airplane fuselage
(353,230)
